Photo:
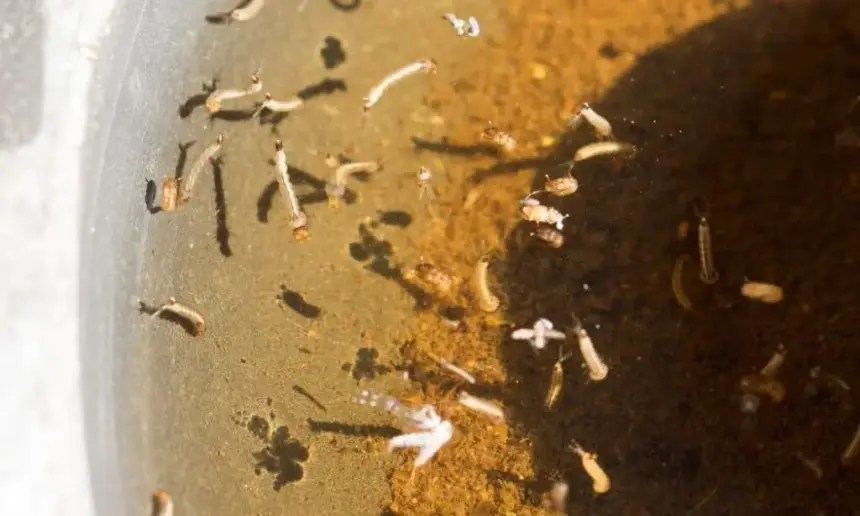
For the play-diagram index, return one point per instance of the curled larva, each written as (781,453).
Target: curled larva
(169,193)
(678,283)
(487,302)
(764,292)
(763,385)
(162,503)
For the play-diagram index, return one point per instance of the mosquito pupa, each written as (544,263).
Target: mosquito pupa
(336,189)
(247,10)
(279,106)
(500,138)
(192,315)
(707,273)
(424,65)
(162,503)
(205,158)
(214,100)
(487,302)
(601,126)
(764,292)
(556,380)
(169,193)
(448,366)
(600,480)
(678,283)
(298,219)
(606,148)
(550,236)
(851,450)
(561,186)
(597,369)
(483,406)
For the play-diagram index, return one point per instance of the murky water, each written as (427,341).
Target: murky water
(256,417)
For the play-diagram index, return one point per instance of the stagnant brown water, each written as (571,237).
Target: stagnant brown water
(733,103)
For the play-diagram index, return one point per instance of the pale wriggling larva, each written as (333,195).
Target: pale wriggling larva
(162,503)
(678,283)
(597,369)
(424,65)
(481,405)
(593,150)
(247,10)
(851,450)
(214,100)
(169,192)
(448,366)
(336,189)
(602,127)
(487,301)
(205,157)
(279,106)
(600,480)
(183,311)
(708,274)
(298,219)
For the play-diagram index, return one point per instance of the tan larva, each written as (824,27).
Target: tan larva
(851,450)
(169,192)
(550,236)
(162,503)
(561,186)
(487,302)
(336,189)
(763,385)
(214,100)
(593,150)
(205,157)
(279,106)
(771,369)
(597,369)
(764,292)
(678,283)
(298,218)
(556,381)
(192,315)
(424,65)
(600,480)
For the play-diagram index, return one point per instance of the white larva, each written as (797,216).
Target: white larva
(602,127)
(600,480)
(279,106)
(487,302)
(480,405)
(214,100)
(424,65)
(298,219)
(163,503)
(206,157)
(247,10)
(602,149)
(448,366)
(192,315)
(597,369)
(764,292)
(336,189)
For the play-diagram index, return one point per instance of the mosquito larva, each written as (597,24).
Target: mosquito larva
(481,405)
(214,100)
(247,10)
(602,127)
(771,369)
(205,157)
(602,149)
(851,451)
(600,480)
(678,283)
(557,496)
(169,191)
(448,366)
(183,311)
(550,236)
(298,219)
(279,106)
(763,385)
(424,65)
(708,274)
(487,302)
(597,369)
(561,186)
(764,292)
(556,381)
(162,503)
(336,189)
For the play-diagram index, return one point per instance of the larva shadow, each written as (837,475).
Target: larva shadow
(736,112)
